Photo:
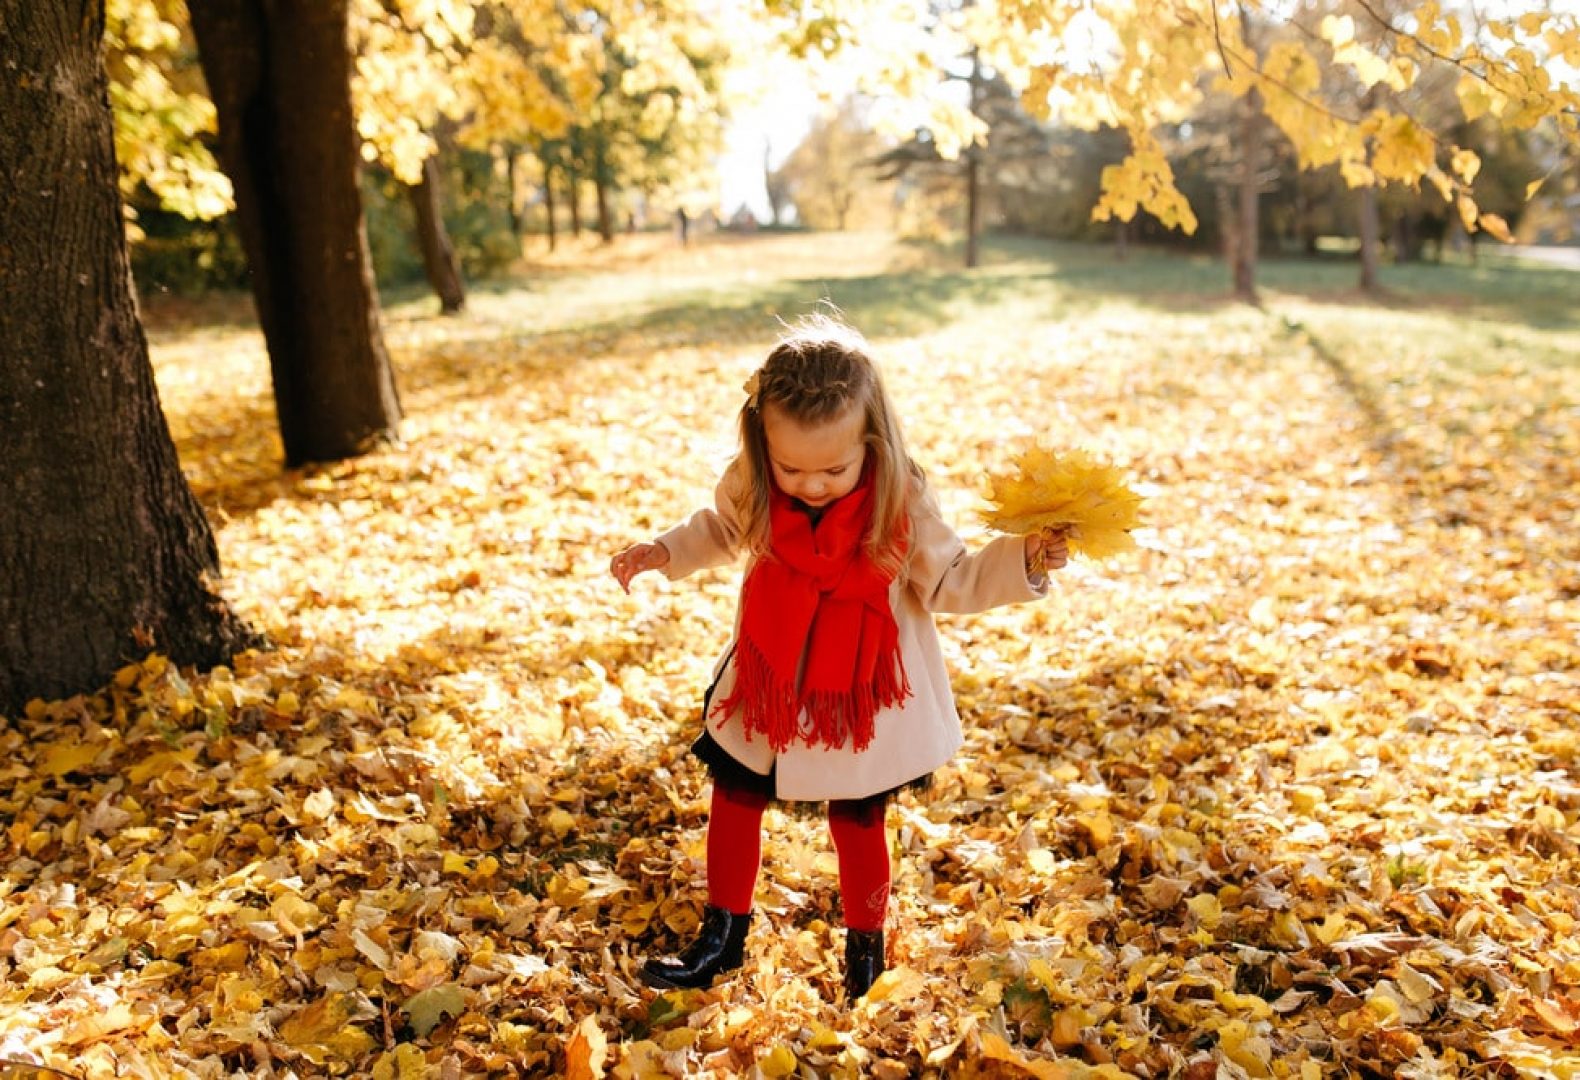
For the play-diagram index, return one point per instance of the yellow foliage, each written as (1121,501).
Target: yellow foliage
(1072,491)
(1401,148)
(163,116)
(1320,746)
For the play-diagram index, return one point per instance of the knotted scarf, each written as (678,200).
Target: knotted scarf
(816,594)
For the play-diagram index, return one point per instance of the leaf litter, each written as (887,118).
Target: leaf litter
(1289,791)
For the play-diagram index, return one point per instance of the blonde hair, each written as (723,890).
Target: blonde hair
(816,372)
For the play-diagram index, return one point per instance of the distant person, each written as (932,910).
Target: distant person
(834,687)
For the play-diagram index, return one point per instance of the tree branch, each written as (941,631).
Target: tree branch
(1442,58)
(1217,36)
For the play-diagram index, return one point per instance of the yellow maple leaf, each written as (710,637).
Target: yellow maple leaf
(996,1048)
(68,757)
(780,1061)
(586,1051)
(323,1030)
(1496,226)
(1072,491)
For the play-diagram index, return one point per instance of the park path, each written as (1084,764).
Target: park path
(1567,258)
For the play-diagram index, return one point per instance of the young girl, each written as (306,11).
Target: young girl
(834,686)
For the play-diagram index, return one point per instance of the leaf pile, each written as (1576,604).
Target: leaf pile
(1291,790)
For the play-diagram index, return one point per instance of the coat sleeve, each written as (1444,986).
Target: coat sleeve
(709,537)
(948,578)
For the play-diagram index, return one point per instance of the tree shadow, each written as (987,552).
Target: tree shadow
(234,461)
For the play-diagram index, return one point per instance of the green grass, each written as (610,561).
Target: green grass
(1490,306)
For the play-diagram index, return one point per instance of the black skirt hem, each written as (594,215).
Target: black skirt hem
(727,772)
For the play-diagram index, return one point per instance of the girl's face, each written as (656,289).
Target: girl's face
(816,464)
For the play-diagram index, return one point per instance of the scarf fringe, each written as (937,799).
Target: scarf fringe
(771,707)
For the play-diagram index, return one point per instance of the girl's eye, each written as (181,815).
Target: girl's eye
(836,472)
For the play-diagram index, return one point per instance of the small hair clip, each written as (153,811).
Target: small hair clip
(751,387)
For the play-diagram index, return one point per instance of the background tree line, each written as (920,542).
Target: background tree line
(117,112)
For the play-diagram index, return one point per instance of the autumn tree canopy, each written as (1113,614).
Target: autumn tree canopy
(1140,66)
(1340,79)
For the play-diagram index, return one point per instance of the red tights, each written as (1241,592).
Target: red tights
(735,844)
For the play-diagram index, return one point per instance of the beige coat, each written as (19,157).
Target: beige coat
(923,732)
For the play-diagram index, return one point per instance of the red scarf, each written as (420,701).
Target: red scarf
(816,594)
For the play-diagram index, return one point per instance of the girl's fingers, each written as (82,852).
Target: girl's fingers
(637,559)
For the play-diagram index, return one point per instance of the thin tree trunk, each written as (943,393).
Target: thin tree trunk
(513,204)
(772,187)
(1228,223)
(548,205)
(1247,230)
(605,219)
(279,73)
(572,191)
(1369,234)
(438,254)
(1305,235)
(973,172)
(1122,240)
(104,552)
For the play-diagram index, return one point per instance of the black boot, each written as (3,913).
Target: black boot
(719,947)
(863,961)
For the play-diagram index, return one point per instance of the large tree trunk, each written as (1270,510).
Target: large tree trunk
(279,73)
(1369,237)
(438,254)
(104,553)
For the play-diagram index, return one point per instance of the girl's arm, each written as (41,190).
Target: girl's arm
(709,537)
(947,577)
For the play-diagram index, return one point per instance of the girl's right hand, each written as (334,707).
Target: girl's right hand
(635,559)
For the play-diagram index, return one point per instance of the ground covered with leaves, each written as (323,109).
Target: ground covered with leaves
(1292,790)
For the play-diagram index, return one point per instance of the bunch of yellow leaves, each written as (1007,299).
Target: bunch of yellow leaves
(1074,493)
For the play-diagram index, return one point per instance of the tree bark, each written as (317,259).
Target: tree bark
(1305,234)
(438,254)
(548,204)
(973,172)
(1228,222)
(1248,228)
(572,191)
(104,552)
(605,219)
(513,204)
(1369,236)
(279,73)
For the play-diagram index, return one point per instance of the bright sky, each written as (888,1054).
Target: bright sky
(778,121)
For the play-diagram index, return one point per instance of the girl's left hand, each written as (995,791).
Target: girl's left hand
(635,560)
(1048,549)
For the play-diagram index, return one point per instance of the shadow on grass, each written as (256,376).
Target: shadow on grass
(1041,280)
(1023,278)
